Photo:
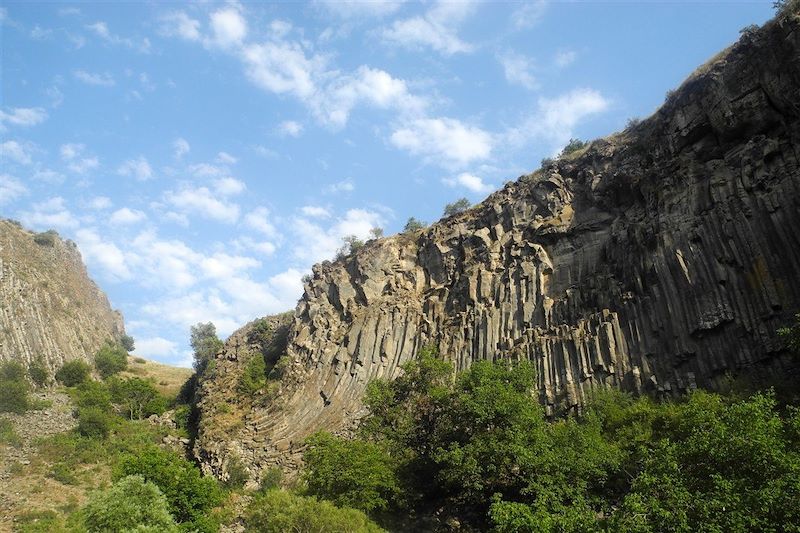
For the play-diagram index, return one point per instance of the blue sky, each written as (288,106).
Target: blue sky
(204,155)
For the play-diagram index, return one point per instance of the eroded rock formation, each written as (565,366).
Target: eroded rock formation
(659,259)
(50,310)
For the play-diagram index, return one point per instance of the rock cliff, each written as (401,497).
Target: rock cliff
(49,308)
(659,259)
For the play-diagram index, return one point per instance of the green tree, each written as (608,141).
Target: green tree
(190,496)
(130,505)
(375,233)
(412,225)
(350,473)
(12,371)
(73,373)
(459,206)
(205,343)
(92,394)
(572,146)
(350,244)
(279,511)
(138,397)
(127,342)
(110,359)
(14,396)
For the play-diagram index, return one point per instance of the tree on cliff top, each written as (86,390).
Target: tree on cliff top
(205,344)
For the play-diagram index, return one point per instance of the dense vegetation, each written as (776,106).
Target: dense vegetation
(478,449)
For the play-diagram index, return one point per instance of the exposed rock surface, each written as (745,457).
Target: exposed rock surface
(659,259)
(49,308)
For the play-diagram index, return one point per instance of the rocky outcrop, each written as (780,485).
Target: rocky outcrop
(50,310)
(659,259)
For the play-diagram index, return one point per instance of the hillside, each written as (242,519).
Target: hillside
(50,310)
(660,259)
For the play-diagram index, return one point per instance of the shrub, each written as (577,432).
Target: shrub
(573,146)
(271,479)
(63,474)
(189,495)
(94,423)
(350,473)
(376,233)
(277,511)
(412,225)
(73,373)
(92,394)
(137,397)
(236,471)
(131,504)
(127,343)
(351,244)
(7,433)
(110,359)
(254,376)
(38,373)
(12,371)
(46,238)
(459,206)
(547,161)
(261,331)
(14,396)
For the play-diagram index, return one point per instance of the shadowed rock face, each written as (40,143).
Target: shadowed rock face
(659,259)
(50,311)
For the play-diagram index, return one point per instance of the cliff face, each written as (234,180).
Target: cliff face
(49,308)
(659,259)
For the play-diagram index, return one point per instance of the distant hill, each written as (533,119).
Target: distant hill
(50,310)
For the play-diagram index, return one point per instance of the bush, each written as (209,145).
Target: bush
(573,146)
(350,473)
(94,423)
(73,373)
(375,233)
(14,396)
(236,472)
(12,371)
(46,238)
(131,504)
(205,344)
(7,433)
(459,206)
(92,394)
(110,359)
(127,343)
(254,376)
(189,495)
(137,397)
(351,244)
(278,511)
(63,474)
(39,374)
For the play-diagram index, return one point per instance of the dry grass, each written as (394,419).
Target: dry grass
(167,379)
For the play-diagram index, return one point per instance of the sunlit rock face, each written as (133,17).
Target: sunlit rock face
(50,310)
(660,259)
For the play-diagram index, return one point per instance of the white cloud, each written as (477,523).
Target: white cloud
(228,26)
(201,201)
(10,188)
(242,244)
(179,24)
(291,128)
(48,176)
(17,152)
(345,185)
(181,147)
(565,58)
(100,28)
(55,95)
(156,348)
(470,182)
(528,14)
(281,67)
(258,219)
(317,242)
(358,9)
(223,266)
(204,170)
(314,211)
(517,69)
(163,263)
(126,216)
(22,116)
(72,153)
(443,141)
(51,213)
(228,186)
(100,203)
(139,168)
(436,29)
(106,255)
(90,78)
(288,285)
(226,159)
(555,118)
